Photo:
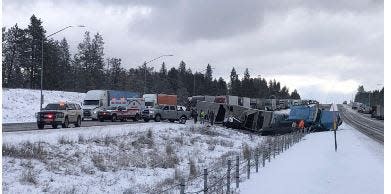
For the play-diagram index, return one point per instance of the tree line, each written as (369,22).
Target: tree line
(88,69)
(371,98)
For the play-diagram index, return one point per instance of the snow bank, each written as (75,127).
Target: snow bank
(312,166)
(132,158)
(20,105)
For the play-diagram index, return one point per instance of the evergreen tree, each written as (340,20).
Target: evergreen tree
(37,36)
(295,94)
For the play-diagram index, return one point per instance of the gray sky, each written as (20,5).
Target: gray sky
(325,49)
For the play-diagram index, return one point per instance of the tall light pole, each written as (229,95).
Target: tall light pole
(145,70)
(194,79)
(79,26)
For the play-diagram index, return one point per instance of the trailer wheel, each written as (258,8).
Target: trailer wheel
(146,120)
(40,126)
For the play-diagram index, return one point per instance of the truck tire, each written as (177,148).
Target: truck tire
(114,118)
(146,120)
(157,118)
(182,120)
(40,126)
(78,122)
(137,117)
(66,123)
(54,126)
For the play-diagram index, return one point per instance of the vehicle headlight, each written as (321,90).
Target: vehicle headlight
(151,111)
(95,112)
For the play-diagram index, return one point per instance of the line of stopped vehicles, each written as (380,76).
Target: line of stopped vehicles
(265,116)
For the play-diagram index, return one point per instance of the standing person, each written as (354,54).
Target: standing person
(194,115)
(202,117)
(301,125)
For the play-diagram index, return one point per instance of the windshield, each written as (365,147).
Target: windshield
(91,102)
(149,103)
(112,108)
(55,107)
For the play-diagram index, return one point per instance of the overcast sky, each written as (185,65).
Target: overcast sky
(325,49)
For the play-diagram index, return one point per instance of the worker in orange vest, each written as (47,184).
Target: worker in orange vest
(301,124)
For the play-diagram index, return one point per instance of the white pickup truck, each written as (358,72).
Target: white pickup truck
(171,113)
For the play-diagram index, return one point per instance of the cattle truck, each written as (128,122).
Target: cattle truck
(97,100)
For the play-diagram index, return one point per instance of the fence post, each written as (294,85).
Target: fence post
(263,157)
(182,186)
(248,168)
(269,152)
(274,149)
(237,172)
(256,160)
(229,176)
(205,181)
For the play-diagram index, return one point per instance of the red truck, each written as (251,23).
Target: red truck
(131,110)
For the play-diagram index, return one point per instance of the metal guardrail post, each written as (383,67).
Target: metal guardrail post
(205,181)
(269,153)
(256,160)
(237,172)
(248,168)
(263,157)
(182,185)
(229,177)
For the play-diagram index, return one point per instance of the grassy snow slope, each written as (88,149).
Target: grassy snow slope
(20,105)
(312,166)
(131,158)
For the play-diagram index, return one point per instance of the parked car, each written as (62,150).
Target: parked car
(62,113)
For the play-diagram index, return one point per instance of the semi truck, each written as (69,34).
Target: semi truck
(97,100)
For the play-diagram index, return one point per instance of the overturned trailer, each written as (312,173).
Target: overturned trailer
(238,117)
(316,119)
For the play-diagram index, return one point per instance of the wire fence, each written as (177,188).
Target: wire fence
(219,178)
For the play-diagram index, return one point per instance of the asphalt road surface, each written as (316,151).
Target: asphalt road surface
(11,127)
(362,122)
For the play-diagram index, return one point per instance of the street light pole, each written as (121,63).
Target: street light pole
(79,26)
(145,70)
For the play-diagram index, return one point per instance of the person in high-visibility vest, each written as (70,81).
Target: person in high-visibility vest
(301,124)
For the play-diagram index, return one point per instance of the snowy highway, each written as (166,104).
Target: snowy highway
(369,126)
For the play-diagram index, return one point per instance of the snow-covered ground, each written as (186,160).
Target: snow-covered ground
(132,158)
(312,166)
(20,105)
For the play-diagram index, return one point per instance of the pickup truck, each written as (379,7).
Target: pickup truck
(115,113)
(171,113)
